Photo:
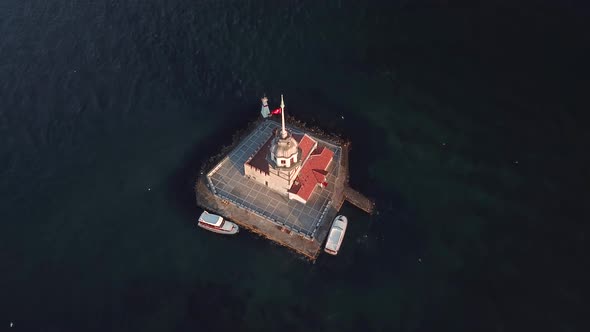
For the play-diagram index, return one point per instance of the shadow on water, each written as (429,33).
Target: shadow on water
(180,184)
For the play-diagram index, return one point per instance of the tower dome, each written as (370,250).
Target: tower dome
(284,149)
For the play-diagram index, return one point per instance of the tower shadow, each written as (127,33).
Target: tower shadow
(181,182)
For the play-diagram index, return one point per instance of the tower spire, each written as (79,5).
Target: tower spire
(283,130)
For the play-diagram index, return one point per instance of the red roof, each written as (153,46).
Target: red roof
(319,175)
(305,143)
(314,172)
(319,161)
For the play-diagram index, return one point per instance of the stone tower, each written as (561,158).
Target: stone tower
(284,156)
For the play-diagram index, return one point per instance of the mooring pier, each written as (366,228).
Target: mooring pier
(359,200)
(353,196)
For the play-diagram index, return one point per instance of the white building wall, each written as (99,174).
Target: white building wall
(297,198)
(279,184)
(256,175)
(271,180)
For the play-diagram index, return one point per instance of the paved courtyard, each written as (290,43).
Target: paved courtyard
(229,183)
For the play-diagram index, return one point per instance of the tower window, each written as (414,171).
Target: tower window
(282,161)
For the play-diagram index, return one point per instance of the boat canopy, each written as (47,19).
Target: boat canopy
(334,238)
(211,219)
(340,221)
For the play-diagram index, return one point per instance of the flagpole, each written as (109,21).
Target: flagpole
(283,131)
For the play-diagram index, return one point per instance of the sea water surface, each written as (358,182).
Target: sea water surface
(465,129)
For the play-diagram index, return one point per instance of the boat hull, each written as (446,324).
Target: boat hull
(336,235)
(331,252)
(229,230)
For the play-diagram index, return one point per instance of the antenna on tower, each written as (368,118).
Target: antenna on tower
(283,131)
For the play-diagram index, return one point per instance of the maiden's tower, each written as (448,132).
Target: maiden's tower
(281,181)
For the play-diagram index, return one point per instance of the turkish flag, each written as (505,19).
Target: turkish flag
(276,111)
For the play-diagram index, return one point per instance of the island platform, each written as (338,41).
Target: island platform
(223,188)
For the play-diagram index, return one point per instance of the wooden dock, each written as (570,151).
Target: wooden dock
(352,196)
(359,200)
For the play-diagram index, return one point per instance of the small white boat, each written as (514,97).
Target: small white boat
(215,223)
(336,235)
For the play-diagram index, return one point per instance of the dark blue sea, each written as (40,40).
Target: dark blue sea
(469,128)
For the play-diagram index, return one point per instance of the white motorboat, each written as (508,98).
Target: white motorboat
(336,235)
(215,223)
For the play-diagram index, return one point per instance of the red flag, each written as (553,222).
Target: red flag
(276,111)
